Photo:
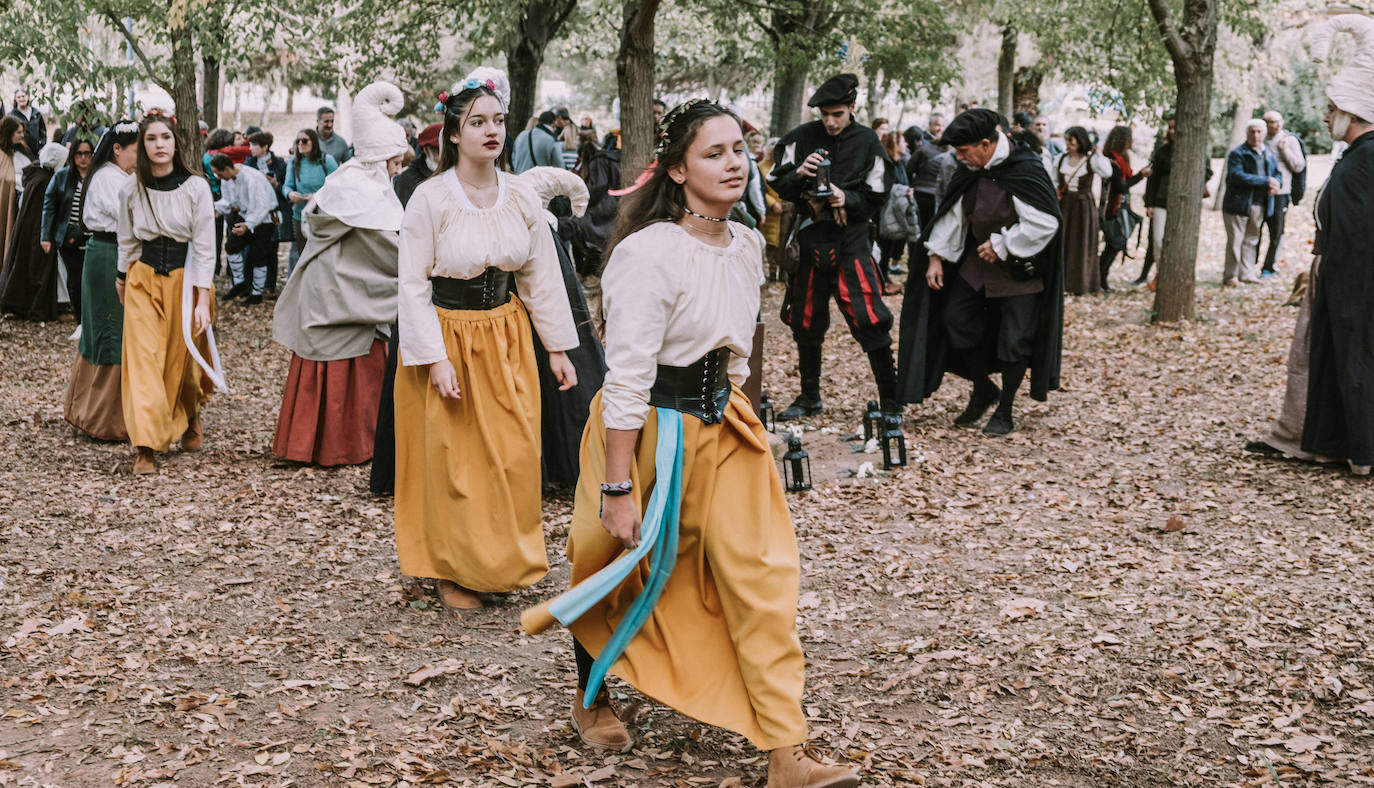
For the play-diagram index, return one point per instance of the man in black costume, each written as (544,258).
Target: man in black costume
(836,255)
(995,295)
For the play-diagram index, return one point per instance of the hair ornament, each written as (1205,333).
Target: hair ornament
(664,139)
(127,127)
(474,83)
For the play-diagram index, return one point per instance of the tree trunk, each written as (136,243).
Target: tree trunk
(1192,46)
(1006,71)
(789,91)
(184,97)
(540,23)
(523,65)
(1026,93)
(290,99)
(210,104)
(634,70)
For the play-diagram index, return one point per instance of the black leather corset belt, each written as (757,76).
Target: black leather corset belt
(488,290)
(701,389)
(164,255)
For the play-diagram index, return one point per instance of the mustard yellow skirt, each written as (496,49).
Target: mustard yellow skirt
(721,645)
(468,470)
(163,386)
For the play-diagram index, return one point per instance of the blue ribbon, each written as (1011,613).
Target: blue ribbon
(658,540)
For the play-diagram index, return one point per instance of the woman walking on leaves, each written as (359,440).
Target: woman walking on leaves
(171,364)
(94,404)
(467,391)
(336,310)
(717,639)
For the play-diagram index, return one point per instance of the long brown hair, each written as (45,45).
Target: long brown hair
(661,198)
(1118,140)
(8,126)
(144,167)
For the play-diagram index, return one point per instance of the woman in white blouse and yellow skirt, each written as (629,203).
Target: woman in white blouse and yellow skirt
(717,639)
(166,284)
(467,388)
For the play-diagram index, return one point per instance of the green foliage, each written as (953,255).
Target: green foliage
(1299,98)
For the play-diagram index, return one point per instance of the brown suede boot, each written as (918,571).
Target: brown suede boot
(796,767)
(144,462)
(599,726)
(191,438)
(456,597)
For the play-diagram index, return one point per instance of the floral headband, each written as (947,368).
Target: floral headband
(664,140)
(471,84)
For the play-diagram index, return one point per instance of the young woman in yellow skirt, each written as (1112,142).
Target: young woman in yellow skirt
(467,388)
(166,284)
(718,638)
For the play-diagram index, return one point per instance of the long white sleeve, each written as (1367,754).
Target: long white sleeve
(947,236)
(422,341)
(1032,232)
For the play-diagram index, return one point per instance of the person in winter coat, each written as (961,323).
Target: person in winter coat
(35,127)
(898,224)
(61,228)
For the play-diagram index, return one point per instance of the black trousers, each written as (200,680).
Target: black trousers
(1274,222)
(73,256)
(986,329)
(837,262)
(262,250)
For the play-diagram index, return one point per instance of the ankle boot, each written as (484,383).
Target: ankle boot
(144,461)
(885,375)
(599,726)
(191,438)
(983,396)
(808,403)
(795,767)
(1012,375)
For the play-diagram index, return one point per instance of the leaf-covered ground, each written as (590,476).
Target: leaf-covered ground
(1003,612)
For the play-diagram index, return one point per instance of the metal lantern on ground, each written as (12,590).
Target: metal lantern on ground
(796,466)
(823,187)
(873,421)
(894,442)
(766,413)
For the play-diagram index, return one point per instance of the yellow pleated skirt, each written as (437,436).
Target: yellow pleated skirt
(468,470)
(721,645)
(163,387)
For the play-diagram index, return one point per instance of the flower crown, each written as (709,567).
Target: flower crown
(471,84)
(664,139)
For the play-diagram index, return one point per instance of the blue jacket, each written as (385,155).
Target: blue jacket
(1248,170)
(57,206)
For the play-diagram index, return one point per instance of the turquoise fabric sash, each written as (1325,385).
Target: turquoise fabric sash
(658,540)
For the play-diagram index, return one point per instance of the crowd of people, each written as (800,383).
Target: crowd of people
(481,312)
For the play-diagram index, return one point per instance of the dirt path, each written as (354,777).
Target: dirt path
(1003,612)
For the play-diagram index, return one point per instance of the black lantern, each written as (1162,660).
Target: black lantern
(796,466)
(766,412)
(894,442)
(823,188)
(873,421)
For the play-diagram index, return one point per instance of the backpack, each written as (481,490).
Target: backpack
(1299,178)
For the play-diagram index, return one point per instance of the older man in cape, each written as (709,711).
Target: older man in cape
(995,295)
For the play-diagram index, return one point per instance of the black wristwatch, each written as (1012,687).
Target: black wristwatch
(614,489)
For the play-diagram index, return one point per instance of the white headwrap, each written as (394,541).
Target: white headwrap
(500,84)
(551,182)
(359,193)
(1352,90)
(53,155)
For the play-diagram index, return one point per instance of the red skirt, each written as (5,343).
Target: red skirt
(329,409)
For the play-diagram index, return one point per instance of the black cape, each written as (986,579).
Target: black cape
(854,153)
(564,413)
(28,280)
(1340,377)
(923,357)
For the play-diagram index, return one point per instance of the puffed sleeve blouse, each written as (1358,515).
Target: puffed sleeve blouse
(670,299)
(445,234)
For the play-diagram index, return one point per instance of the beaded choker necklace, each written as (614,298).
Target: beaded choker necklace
(707,218)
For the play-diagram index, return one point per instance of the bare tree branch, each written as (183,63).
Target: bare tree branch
(1178,48)
(128,35)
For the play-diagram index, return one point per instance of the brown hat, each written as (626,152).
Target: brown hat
(429,138)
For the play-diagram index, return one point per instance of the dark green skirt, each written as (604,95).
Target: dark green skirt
(102,316)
